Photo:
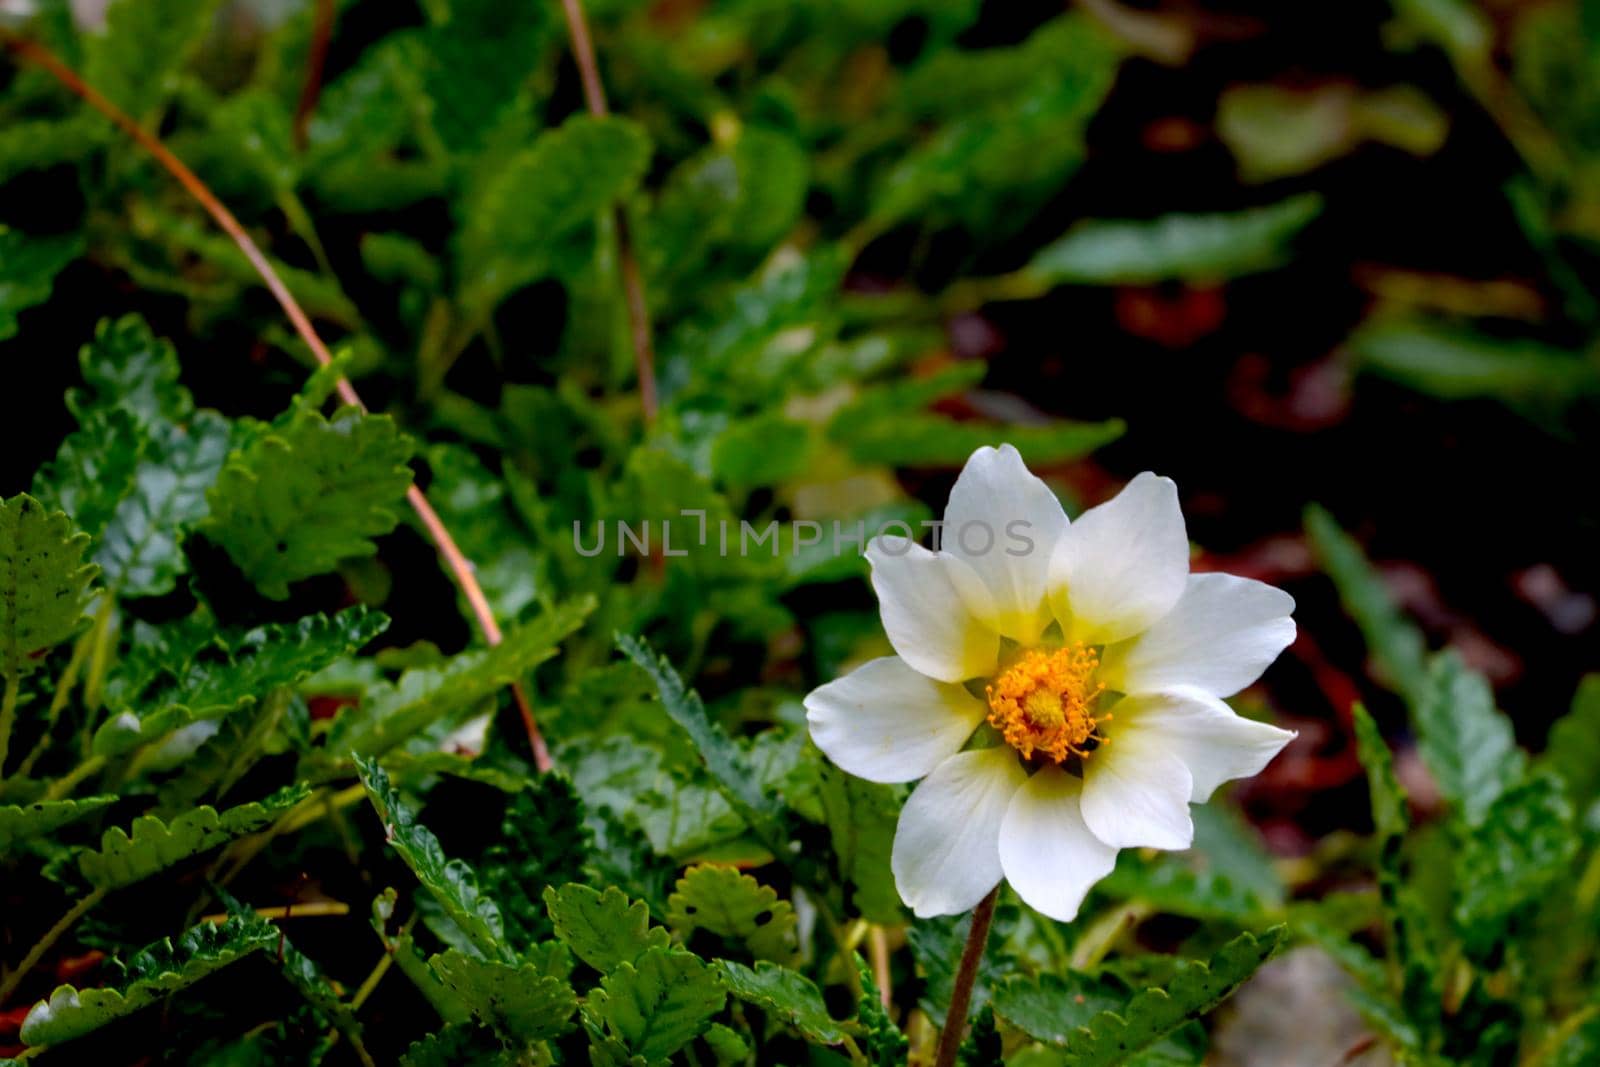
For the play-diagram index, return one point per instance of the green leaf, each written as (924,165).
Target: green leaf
(731,905)
(729,766)
(784,994)
(1573,751)
(513,228)
(456,1045)
(924,439)
(36,144)
(28,269)
(260,662)
(451,882)
(127,367)
(983,1046)
(659,1003)
(1191,247)
(136,472)
(604,930)
(478,62)
(390,714)
(1453,365)
(1523,846)
(19,822)
(1052,1007)
(136,61)
(150,975)
(1466,743)
(153,845)
(884,1044)
(1393,641)
(1411,945)
(543,843)
(298,500)
(861,817)
(519,1000)
(1115,1036)
(1168,885)
(992,164)
(44,584)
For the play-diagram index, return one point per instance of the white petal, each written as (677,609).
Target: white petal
(886,723)
(1214,742)
(1004,523)
(1122,565)
(1049,856)
(947,846)
(927,621)
(1223,632)
(1136,793)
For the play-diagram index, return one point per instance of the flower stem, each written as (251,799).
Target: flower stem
(955,1021)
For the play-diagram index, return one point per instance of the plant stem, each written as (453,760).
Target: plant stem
(43,945)
(955,1021)
(460,567)
(8,717)
(62,787)
(594,95)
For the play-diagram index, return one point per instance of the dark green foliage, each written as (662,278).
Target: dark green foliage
(870,238)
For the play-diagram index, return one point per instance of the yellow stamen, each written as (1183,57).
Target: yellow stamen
(1045,702)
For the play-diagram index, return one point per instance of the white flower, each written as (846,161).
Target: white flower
(1089,648)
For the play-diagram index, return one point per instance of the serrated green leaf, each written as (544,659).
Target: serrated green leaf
(44,584)
(728,765)
(1390,813)
(1411,945)
(659,1003)
(19,822)
(451,882)
(1170,886)
(1573,751)
(994,161)
(1115,1036)
(785,994)
(1192,247)
(127,367)
(160,969)
(543,843)
(861,817)
(390,714)
(1467,744)
(519,1000)
(477,63)
(1524,844)
(604,930)
(731,905)
(1051,1007)
(1393,641)
(136,60)
(136,472)
(259,662)
(297,501)
(28,269)
(884,1043)
(153,845)
(512,230)
(458,1045)
(35,144)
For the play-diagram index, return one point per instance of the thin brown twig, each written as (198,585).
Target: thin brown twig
(316,62)
(594,96)
(460,567)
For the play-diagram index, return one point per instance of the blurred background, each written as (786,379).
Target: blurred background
(1338,256)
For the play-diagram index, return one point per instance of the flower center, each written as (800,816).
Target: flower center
(1045,702)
